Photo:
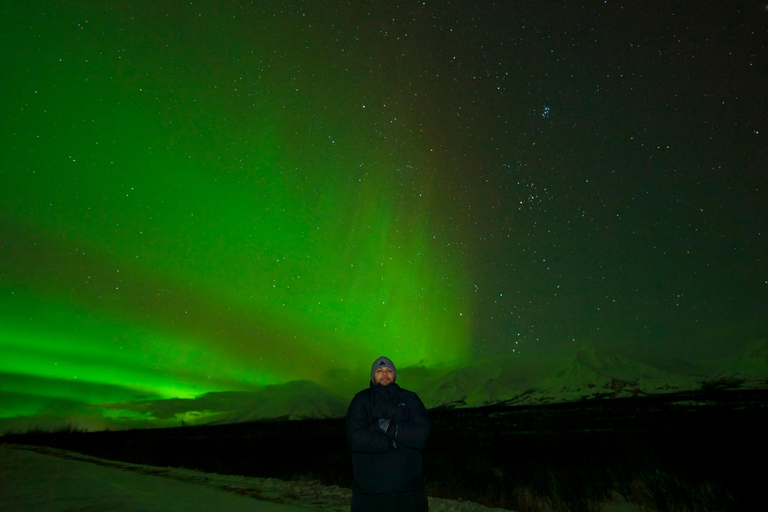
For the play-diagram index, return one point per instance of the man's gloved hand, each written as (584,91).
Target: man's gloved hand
(384,424)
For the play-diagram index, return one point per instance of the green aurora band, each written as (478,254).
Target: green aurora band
(172,228)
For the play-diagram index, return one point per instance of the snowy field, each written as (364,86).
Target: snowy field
(38,479)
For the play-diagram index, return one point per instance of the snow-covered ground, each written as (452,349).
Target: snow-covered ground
(37,479)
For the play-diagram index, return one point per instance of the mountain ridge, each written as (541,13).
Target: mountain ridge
(588,374)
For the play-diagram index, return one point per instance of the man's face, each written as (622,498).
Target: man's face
(383,376)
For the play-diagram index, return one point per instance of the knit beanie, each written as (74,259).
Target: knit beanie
(383,361)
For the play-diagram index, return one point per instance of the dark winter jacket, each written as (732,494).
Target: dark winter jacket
(386,462)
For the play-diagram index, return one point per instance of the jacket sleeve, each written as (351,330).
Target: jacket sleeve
(363,433)
(413,432)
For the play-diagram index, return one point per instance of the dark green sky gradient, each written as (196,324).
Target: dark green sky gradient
(217,196)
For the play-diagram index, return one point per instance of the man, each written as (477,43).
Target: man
(387,427)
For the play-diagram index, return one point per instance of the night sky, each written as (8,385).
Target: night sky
(216,196)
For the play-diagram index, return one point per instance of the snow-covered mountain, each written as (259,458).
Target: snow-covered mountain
(593,373)
(293,400)
(464,386)
(588,374)
(750,364)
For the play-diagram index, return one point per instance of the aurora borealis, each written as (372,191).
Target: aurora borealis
(205,197)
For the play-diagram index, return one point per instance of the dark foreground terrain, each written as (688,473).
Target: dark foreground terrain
(699,451)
